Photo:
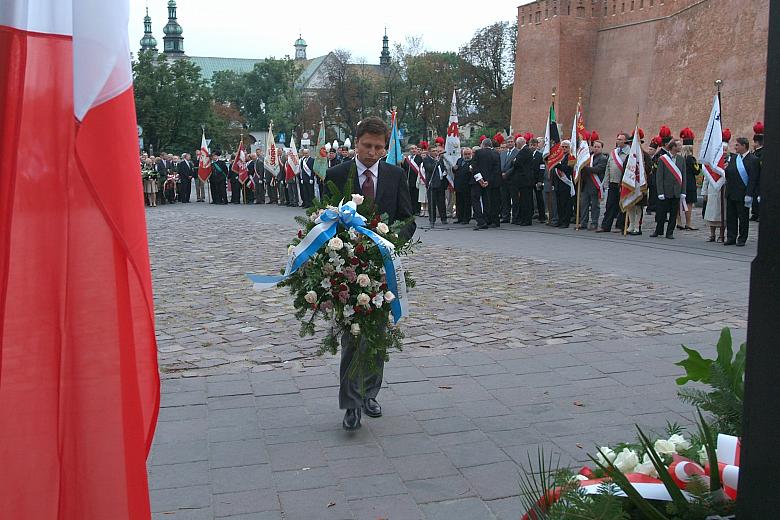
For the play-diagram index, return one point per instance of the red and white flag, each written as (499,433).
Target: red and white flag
(579,145)
(204,161)
(452,144)
(79,387)
(634,183)
(239,164)
(293,165)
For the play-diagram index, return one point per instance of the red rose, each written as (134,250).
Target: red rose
(300,233)
(383,287)
(343,287)
(354,260)
(360,249)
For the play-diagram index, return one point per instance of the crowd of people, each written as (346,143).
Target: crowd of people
(509,181)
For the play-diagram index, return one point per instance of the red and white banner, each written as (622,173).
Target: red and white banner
(293,165)
(239,164)
(672,166)
(204,160)
(633,185)
(452,144)
(79,387)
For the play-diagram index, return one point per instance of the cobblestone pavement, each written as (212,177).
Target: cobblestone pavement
(518,337)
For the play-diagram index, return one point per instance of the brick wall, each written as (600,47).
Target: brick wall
(658,58)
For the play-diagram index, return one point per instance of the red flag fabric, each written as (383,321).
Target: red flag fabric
(79,387)
(239,164)
(204,159)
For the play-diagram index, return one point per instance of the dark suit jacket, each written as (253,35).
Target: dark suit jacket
(598,169)
(435,180)
(735,188)
(186,172)
(538,166)
(392,192)
(567,170)
(488,163)
(429,163)
(665,181)
(521,173)
(462,174)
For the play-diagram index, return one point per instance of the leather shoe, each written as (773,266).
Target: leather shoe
(351,419)
(653,235)
(740,244)
(372,408)
(729,242)
(477,228)
(671,237)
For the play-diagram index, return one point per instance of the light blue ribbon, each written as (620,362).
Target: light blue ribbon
(325,229)
(741,169)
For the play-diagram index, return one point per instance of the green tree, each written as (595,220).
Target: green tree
(172,101)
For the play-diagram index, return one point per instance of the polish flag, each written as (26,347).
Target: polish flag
(79,387)
(293,165)
(204,159)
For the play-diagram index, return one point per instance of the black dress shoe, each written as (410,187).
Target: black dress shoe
(351,419)
(740,244)
(670,237)
(729,242)
(372,408)
(494,225)
(478,228)
(505,221)
(653,235)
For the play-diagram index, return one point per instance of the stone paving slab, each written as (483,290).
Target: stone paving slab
(493,368)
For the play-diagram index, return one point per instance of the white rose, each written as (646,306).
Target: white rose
(355,329)
(363,299)
(680,444)
(357,199)
(348,311)
(646,467)
(313,217)
(608,453)
(382,228)
(626,460)
(311,297)
(353,234)
(325,284)
(664,447)
(335,244)
(389,296)
(363,280)
(703,458)
(349,249)
(378,300)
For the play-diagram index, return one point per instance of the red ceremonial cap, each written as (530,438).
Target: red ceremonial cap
(424,145)
(439,140)
(482,138)
(758,128)
(498,138)
(726,135)
(594,136)
(528,136)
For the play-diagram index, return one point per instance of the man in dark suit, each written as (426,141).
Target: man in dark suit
(235,184)
(538,167)
(590,186)
(741,183)
(411,176)
(436,172)
(162,168)
(218,179)
(522,180)
(670,178)
(386,185)
(187,171)
(462,175)
(508,190)
(487,164)
(562,176)
(307,178)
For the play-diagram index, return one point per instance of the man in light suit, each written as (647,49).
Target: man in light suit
(386,185)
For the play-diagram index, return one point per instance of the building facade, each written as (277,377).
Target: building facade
(659,58)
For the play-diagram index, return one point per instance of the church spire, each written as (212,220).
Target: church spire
(173,41)
(384,58)
(148,42)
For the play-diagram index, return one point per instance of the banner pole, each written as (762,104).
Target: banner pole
(718,84)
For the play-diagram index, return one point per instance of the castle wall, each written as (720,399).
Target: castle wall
(660,59)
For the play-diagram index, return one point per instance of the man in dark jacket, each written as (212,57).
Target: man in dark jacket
(386,185)
(522,181)
(235,184)
(218,179)
(487,165)
(462,173)
(307,178)
(436,171)
(590,186)
(539,169)
(669,178)
(187,170)
(562,180)
(741,183)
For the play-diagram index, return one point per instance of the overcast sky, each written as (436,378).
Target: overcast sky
(241,29)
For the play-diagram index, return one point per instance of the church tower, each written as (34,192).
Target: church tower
(300,48)
(173,40)
(148,42)
(384,58)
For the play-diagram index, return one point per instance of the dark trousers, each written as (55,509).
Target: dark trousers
(756,209)
(218,190)
(563,198)
(292,194)
(414,194)
(525,203)
(259,192)
(185,187)
(539,194)
(462,206)
(355,386)
(514,193)
(249,193)
(612,208)
(652,197)
(436,201)
(478,193)
(737,220)
(492,202)
(666,211)
(307,193)
(506,201)
(273,193)
(281,189)
(235,191)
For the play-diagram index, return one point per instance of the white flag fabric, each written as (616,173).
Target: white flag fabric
(711,151)
(452,144)
(634,182)
(271,161)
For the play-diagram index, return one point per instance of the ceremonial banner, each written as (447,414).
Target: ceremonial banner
(634,183)
(711,154)
(321,157)
(271,160)
(394,153)
(452,144)
(239,164)
(79,387)
(293,165)
(204,161)
(553,153)
(579,144)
